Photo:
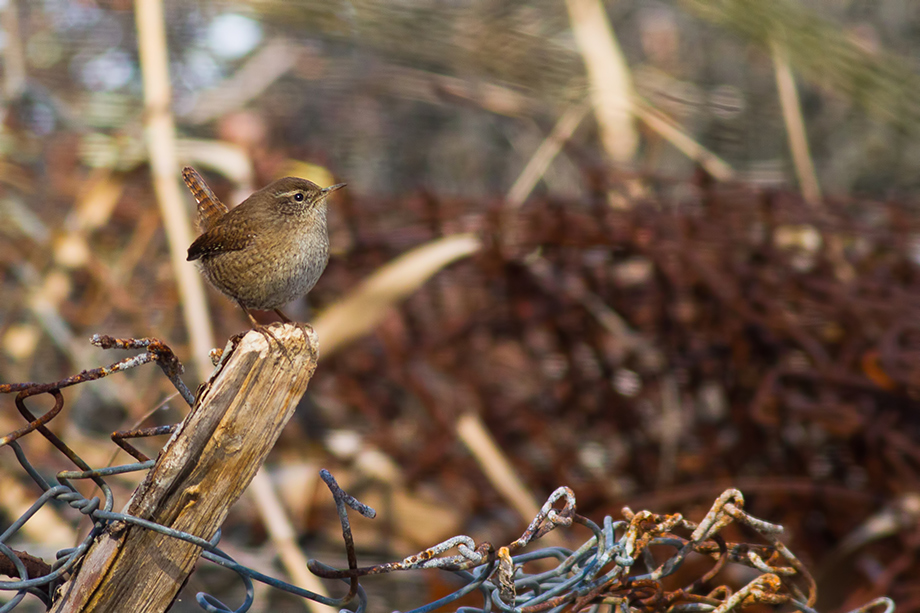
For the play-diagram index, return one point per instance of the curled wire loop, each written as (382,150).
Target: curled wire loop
(615,566)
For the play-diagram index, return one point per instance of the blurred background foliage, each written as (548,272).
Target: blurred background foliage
(620,362)
(396,96)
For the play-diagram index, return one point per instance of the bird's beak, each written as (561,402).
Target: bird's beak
(333,188)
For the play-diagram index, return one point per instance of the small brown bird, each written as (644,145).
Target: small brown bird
(268,250)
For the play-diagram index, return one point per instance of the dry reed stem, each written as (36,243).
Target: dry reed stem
(284,538)
(266,66)
(14,58)
(609,77)
(545,154)
(365,307)
(498,469)
(795,126)
(669,130)
(801,156)
(161,146)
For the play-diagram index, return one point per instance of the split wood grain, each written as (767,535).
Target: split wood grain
(203,469)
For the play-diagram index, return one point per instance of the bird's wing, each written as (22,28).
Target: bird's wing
(210,208)
(214,242)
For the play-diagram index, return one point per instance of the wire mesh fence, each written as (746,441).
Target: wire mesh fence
(629,564)
(793,370)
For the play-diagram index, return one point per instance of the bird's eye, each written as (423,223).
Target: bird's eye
(299,196)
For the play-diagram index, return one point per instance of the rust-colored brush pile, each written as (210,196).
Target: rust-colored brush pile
(725,336)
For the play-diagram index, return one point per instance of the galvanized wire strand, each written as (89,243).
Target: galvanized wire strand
(575,576)
(604,569)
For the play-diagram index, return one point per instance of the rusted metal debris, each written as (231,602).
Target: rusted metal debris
(799,386)
(616,566)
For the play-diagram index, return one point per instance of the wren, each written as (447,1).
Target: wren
(268,250)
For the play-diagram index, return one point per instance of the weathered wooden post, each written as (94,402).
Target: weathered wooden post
(203,469)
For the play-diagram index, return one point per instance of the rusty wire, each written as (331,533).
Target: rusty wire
(602,570)
(615,566)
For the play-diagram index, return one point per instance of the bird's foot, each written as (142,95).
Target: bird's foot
(269,336)
(305,329)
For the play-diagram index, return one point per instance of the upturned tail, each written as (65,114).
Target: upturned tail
(210,208)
